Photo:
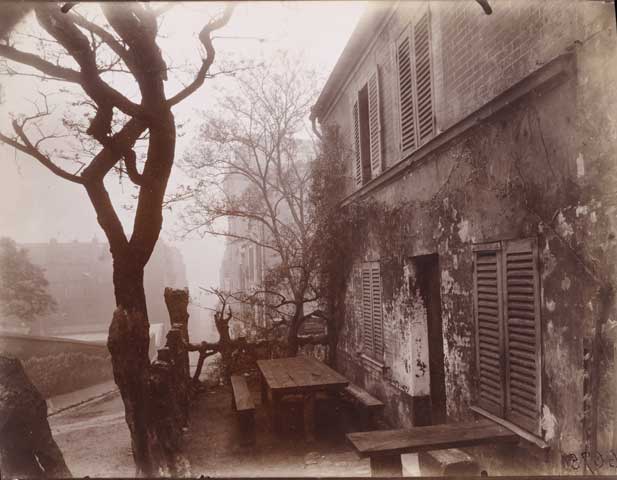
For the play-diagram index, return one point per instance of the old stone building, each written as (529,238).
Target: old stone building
(243,266)
(483,147)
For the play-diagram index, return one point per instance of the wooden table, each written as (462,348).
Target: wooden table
(297,375)
(384,447)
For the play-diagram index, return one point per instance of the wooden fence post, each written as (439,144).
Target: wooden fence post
(179,380)
(165,407)
(177,302)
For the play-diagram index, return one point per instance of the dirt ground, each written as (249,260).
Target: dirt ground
(95,441)
(213,448)
(94,438)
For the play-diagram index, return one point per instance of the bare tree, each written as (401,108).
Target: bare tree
(254,172)
(81,53)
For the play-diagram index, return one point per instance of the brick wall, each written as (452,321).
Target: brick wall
(484,55)
(475,58)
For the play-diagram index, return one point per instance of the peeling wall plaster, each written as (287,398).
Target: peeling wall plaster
(478,178)
(548,423)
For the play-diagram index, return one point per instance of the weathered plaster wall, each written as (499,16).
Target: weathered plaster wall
(594,220)
(542,167)
(516,175)
(406,324)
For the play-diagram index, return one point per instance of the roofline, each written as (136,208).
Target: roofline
(359,41)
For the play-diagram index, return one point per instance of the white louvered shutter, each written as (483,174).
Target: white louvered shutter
(522,320)
(374,123)
(489,328)
(406,94)
(377,312)
(367,310)
(356,144)
(424,79)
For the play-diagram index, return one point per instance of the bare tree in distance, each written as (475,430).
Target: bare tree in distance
(85,53)
(252,183)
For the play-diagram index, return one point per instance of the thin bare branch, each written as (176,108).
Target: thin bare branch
(28,148)
(206,40)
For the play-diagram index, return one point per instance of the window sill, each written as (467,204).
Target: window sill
(513,428)
(371,362)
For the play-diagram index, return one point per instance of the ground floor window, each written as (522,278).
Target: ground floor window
(507,321)
(372,321)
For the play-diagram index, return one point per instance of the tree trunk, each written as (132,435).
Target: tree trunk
(27,448)
(333,331)
(225,345)
(128,344)
(292,335)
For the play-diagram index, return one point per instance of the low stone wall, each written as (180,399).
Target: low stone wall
(56,365)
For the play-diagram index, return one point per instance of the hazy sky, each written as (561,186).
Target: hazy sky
(35,205)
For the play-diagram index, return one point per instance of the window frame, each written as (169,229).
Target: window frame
(365,168)
(375,290)
(523,248)
(409,33)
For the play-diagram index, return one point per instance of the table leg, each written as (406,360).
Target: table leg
(386,466)
(309,417)
(275,410)
(264,390)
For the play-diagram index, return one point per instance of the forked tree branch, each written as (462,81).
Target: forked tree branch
(206,40)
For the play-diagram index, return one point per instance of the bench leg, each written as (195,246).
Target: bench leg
(386,466)
(365,419)
(309,417)
(247,428)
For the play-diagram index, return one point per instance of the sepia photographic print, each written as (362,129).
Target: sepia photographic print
(308,239)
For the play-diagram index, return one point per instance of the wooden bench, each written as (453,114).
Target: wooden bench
(384,447)
(370,407)
(243,404)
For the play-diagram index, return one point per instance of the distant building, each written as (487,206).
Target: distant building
(245,262)
(80,280)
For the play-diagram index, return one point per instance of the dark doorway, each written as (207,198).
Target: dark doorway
(427,278)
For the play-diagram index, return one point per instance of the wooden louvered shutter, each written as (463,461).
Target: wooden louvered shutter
(377,317)
(406,94)
(374,123)
(367,310)
(522,333)
(489,328)
(356,144)
(424,79)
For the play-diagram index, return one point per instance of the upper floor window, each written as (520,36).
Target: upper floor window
(415,84)
(507,320)
(366,120)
